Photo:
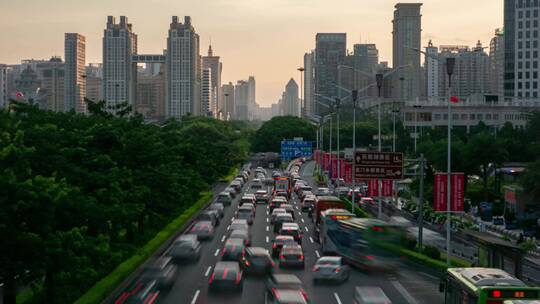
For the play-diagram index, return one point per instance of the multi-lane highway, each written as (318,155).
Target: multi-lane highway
(408,284)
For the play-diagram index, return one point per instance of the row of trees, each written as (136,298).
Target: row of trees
(80,193)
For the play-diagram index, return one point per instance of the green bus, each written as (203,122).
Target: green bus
(484,286)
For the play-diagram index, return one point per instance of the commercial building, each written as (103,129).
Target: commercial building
(252,101)
(496,63)
(94,82)
(330,51)
(212,62)
(366,57)
(183,70)
(309,84)
(241,99)
(74,73)
(151,97)
(290,103)
(407,28)
(119,69)
(52,75)
(207,93)
(229,105)
(432,70)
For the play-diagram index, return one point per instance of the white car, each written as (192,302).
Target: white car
(275,213)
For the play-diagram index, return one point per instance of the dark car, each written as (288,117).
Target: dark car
(211,216)
(293,230)
(261,196)
(226,276)
(289,209)
(280,281)
(245,213)
(291,256)
(204,230)
(140,293)
(231,191)
(225,198)
(219,208)
(308,203)
(247,198)
(242,235)
(233,250)
(163,271)
(186,247)
(280,219)
(276,202)
(279,242)
(257,260)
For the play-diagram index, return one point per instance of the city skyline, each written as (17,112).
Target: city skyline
(246,40)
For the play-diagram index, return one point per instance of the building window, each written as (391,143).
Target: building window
(495,116)
(535,75)
(535,13)
(520,75)
(488,116)
(535,64)
(520,24)
(520,34)
(520,45)
(527,65)
(520,85)
(473,117)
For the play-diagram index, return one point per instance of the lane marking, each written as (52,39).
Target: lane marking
(317,253)
(229,227)
(267,220)
(195,297)
(267,239)
(303,221)
(338,300)
(311,240)
(267,228)
(307,230)
(403,292)
(223,239)
(208,271)
(429,275)
(217,252)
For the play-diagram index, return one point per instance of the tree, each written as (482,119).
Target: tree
(531,180)
(268,138)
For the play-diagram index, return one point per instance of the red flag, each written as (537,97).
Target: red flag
(19,94)
(454,99)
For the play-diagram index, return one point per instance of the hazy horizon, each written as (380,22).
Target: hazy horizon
(266,39)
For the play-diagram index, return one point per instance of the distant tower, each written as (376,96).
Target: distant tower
(206,93)
(432,70)
(74,72)
(212,62)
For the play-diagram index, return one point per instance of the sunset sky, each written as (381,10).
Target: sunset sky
(264,38)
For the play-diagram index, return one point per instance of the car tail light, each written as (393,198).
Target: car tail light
(152,298)
(274,246)
(315,269)
(370,257)
(247,263)
(376,228)
(304,294)
(496,293)
(211,278)
(238,278)
(301,257)
(338,270)
(223,251)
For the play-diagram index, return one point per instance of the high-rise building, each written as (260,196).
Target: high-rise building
(212,62)
(407,27)
(229,105)
(330,52)
(521,47)
(151,96)
(366,57)
(119,69)
(241,99)
(28,84)
(74,72)
(183,70)
(290,101)
(309,83)
(252,101)
(432,70)
(3,85)
(53,84)
(496,65)
(207,108)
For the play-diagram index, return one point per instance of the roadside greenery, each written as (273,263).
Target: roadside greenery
(269,136)
(80,194)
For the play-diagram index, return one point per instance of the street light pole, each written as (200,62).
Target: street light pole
(450,62)
(416,107)
(302,105)
(379,79)
(338,101)
(330,148)
(354,98)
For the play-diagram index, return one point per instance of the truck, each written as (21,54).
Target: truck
(326,202)
(283,184)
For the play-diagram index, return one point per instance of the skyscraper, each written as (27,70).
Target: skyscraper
(496,65)
(290,101)
(432,71)
(252,102)
(366,57)
(53,83)
(74,72)
(407,27)
(212,62)
(330,51)
(151,96)
(183,69)
(119,69)
(309,83)
(521,47)
(207,93)
(241,99)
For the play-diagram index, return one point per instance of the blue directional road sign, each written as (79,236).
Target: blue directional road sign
(296,148)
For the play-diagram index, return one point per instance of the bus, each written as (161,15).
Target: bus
(329,219)
(478,285)
(324,203)
(365,243)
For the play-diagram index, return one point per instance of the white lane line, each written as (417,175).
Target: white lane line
(229,227)
(267,220)
(267,239)
(296,207)
(311,240)
(267,213)
(317,253)
(338,300)
(195,297)
(307,230)
(223,239)
(429,275)
(208,271)
(217,252)
(303,221)
(1,284)
(267,228)
(403,292)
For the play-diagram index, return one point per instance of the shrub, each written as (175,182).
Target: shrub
(432,252)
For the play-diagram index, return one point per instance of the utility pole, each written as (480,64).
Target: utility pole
(379,79)
(450,62)
(354,98)
(421,203)
(338,101)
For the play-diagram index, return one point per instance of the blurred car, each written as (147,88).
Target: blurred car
(219,208)
(261,196)
(370,295)
(226,276)
(276,174)
(368,201)
(236,185)
(256,260)
(268,181)
(275,213)
(303,189)
(242,176)
(330,268)
(247,198)
(286,296)
(357,194)
(245,213)
(322,192)
(186,247)
(163,271)
(293,230)
(239,224)
(140,293)
(280,219)
(204,230)
(233,250)
(283,194)
(241,235)
(211,216)
(231,191)
(256,184)
(283,281)
(308,203)
(279,242)
(276,202)
(288,208)
(225,198)
(341,192)
(250,205)
(240,180)
(291,256)
(305,194)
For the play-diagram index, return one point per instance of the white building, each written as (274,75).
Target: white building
(212,62)
(432,70)
(119,70)
(496,63)
(207,104)
(183,70)
(74,72)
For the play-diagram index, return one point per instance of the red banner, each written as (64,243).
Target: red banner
(387,187)
(326,161)
(348,172)
(373,187)
(342,163)
(440,192)
(334,166)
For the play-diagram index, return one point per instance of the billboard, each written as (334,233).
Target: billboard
(384,165)
(295,148)
(440,192)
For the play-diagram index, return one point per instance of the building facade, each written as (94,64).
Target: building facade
(151,96)
(229,105)
(119,69)
(366,57)
(241,99)
(213,63)
(74,73)
(252,99)
(4,99)
(207,93)
(183,70)
(290,102)
(330,51)
(309,84)
(432,70)
(53,83)
(407,29)
(496,63)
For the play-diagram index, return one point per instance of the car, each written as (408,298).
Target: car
(242,235)
(308,203)
(283,194)
(322,192)
(330,268)
(288,208)
(256,184)
(499,221)
(236,185)
(268,181)
(276,174)
(293,230)
(275,213)
(304,194)
(279,242)
(140,293)
(231,191)
(286,296)
(225,198)
(291,256)
(261,196)
(283,281)
(163,271)
(239,224)
(304,188)
(247,198)
(233,250)
(280,219)
(211,216)
(242,176)
(240,180)
(249,206)
(226,276)
(245,214)
(357,194)
(204,230)
(367,201)
(256,260)
(219,208)
(370,295)
(185,247)
(341,192)
(276,202)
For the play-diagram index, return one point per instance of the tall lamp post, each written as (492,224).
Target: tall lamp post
(379,79)
(416,107)
(302,105)
(338,101)
(354,94)
(450,63)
